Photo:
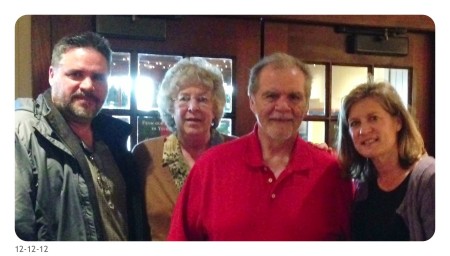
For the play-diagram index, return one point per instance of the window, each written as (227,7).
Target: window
(320,124)
(133,86)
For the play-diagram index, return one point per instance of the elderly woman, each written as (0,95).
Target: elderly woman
(191,102)
(381,147)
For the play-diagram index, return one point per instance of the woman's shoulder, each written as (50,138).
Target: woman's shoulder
(150,143)
(425,164)
(219,138)
(424,169)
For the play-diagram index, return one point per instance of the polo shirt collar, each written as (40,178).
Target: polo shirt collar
(301,157)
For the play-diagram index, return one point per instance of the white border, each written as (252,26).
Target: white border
(438,245)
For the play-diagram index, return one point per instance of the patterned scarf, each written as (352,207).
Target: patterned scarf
(174,160)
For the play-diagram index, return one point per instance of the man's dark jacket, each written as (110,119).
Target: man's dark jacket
(55,197)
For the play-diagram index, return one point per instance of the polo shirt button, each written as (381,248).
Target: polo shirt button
(270,180)
(273,196)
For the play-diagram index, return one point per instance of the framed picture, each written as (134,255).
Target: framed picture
(151,127)
(225,126)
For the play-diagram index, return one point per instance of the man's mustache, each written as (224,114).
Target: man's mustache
(85,95)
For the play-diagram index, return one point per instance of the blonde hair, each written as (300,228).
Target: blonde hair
(410,141)
(188,71)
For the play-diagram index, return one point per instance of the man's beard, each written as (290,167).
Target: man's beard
(278,134)
(78,113)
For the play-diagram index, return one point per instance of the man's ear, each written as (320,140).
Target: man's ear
(251,100)
(51,75)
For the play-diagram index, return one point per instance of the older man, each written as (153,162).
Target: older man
(269,184)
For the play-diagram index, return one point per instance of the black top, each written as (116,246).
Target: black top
(375,219)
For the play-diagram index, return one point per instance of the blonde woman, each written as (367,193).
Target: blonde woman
(381,147)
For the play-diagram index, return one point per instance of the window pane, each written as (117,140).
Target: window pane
(343,79)
(226,66)
(332,133)
(397,77)
(150,127)
(127,120)
(151,71)
(225,126)
(312,131)
(119,82)
(317,99)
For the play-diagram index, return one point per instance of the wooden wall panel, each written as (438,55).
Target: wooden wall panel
(187,35)
(46,31)
(423,88)
(320,43)
(411,22)
(63,25)
(211,36)
(309,37)
(41,49)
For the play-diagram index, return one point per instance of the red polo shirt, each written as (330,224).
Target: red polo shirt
(230,195)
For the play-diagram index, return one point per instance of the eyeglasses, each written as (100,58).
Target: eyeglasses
(184,100)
